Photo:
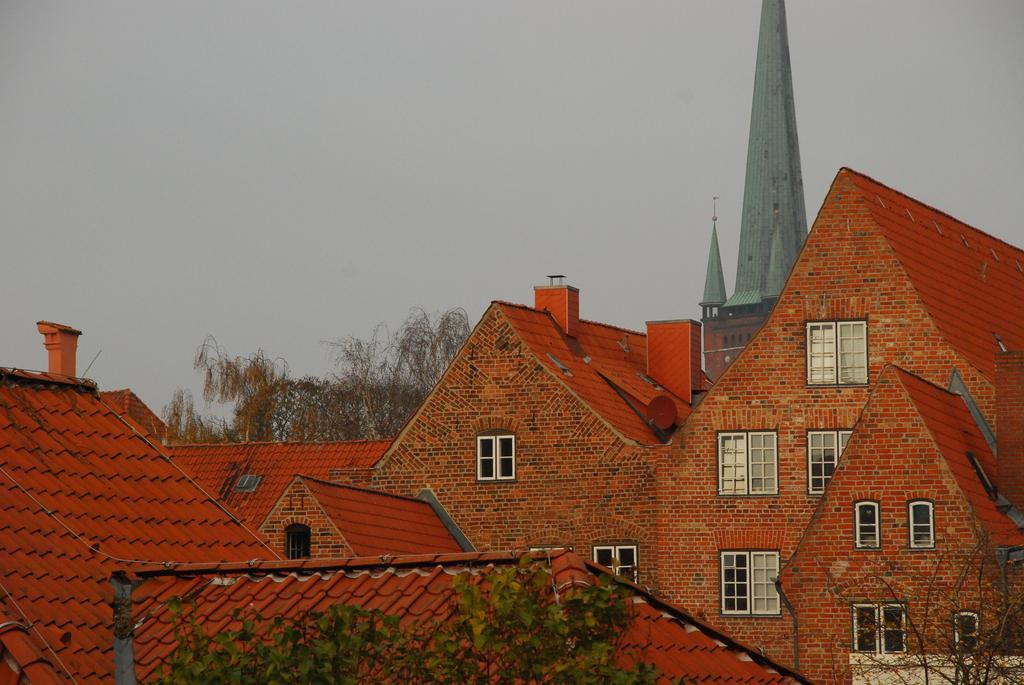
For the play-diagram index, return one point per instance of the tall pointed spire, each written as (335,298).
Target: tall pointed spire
(714,282)
(776,277)
(773,190)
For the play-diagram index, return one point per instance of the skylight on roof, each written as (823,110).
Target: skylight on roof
(248,483)
(562,367)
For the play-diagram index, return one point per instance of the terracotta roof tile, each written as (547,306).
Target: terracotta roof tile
(128,405)
(971,283)
(419,588)
(81,493)
(375,522)
(608,368)
(954,429)
(217,468)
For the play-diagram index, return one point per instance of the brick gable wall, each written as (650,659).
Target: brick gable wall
(846,270)
(577,482)
(298,505)
(891,459)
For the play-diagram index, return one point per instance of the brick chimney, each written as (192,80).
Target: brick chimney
(1010,425)
(61,343)
(674,355)
(563,301)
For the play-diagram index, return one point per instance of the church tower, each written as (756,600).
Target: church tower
(774,220)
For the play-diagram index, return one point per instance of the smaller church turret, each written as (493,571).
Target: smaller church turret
(714,282)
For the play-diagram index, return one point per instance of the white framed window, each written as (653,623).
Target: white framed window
(921,524)
(966,627)
(823,451)
(748,583)
(748,463)
(866,526)
(622,559)
(837,352)
(496,457)
(879,628)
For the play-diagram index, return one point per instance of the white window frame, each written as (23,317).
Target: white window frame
(957,637)
(496,457)
(630,571)
(825,354)
(912,527)
(840,439)
(761,589)
(740,481)
(878,609)
(858,539)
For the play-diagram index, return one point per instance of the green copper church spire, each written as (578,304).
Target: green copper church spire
(776,271)
(773,195)
(714,282)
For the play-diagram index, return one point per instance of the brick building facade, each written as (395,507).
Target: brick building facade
(543,430)
(758,450)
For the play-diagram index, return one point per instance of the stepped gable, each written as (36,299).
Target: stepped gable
(607,368)
(374,522)
(971,283)
(419,589)
(218,467)
(82,493)
(955,432)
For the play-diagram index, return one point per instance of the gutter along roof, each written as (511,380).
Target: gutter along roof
(83,492)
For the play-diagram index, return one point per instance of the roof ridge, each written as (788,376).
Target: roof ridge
(284,566)
(931,208)
(34,376)
(528,308)
(358,488)
(283,443)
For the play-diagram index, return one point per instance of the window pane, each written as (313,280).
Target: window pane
(821,353)
(485,458)
(604,556)
(734,582)
(967,631)
(627,556)
(853,352)
(921,534)
(867,524)
(865,628)
(764,570)
(732,456)
(297,541)
(892,629)
(822,455)
(762,463)
(506,445)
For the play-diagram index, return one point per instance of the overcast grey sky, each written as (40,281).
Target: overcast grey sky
(281,173)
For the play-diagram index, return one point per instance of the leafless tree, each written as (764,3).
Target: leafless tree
(376,386)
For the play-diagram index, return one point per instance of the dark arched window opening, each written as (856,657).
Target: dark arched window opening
(296,541)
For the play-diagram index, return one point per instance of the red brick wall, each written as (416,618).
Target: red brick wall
(890,459)
(724,338)
(298,505)
(577,483)
(845,270)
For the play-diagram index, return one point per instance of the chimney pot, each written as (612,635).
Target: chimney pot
(674,356)
(1010,426)
(61,343)
(563,302)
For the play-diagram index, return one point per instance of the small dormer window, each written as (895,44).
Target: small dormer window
(496,457)
(297,541)
(247,483)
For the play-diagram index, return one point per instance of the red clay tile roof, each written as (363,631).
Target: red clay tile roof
(956,433)
(612,379)
(217,468)
(82,492)
(375,522)
(127,404)
(419,588)
(971,283)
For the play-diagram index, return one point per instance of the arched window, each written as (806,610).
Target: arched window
(297,541)
(921,524)
(866,525)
